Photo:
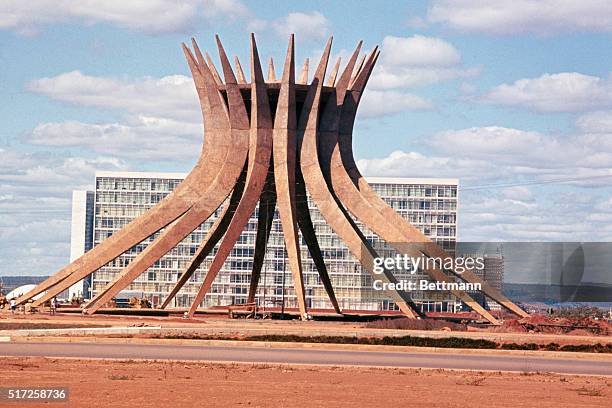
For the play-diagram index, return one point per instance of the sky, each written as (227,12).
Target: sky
(513,98)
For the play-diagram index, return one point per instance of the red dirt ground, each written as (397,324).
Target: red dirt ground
(173,384)
(212,324)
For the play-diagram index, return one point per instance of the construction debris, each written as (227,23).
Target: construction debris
(558,325)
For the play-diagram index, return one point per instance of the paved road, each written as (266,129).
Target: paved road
(311,356)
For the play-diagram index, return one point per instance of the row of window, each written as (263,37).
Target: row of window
(128,198)
(409,190)
(136,184)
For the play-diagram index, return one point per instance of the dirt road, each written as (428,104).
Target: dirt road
(519,362)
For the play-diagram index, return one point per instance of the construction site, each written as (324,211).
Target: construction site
(274,273)
(169,358)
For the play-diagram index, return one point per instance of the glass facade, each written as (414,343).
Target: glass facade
(429,204)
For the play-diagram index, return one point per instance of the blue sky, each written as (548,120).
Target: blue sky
(514,100)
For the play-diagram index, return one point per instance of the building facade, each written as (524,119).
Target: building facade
(81,237)
(492,272)
(429,204)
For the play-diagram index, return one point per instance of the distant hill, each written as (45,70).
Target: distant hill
(546,293)
(9,283)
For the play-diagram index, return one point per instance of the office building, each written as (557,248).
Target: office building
(429,204)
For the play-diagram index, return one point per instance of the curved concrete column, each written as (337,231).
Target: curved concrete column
(335,215)
(260,150)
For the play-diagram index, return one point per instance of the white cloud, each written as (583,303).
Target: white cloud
(595,122)
(153,16)
(159,121)
(467,88)
(414,164)
(221,8)
(142,138)
(155,113)
(30,172)
(171,96)
(493,155)
(408,62)
(35,207)
(381,103)
(502,145)
(233,10)
(305,26)
(417,61)
(523,16)
(518,194)
(414,61)
(528,153)
(419,51)
(514,183)
(386,77)
(604,205)
(562,92)
(487,216)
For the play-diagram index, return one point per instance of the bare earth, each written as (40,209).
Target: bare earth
(221,326)
(101,383)
(155,384)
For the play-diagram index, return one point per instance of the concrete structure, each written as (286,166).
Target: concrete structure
(81,237)
(295,137)
(493,273)
(431,204)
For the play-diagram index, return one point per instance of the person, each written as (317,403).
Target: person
(13,305)
(53,305)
